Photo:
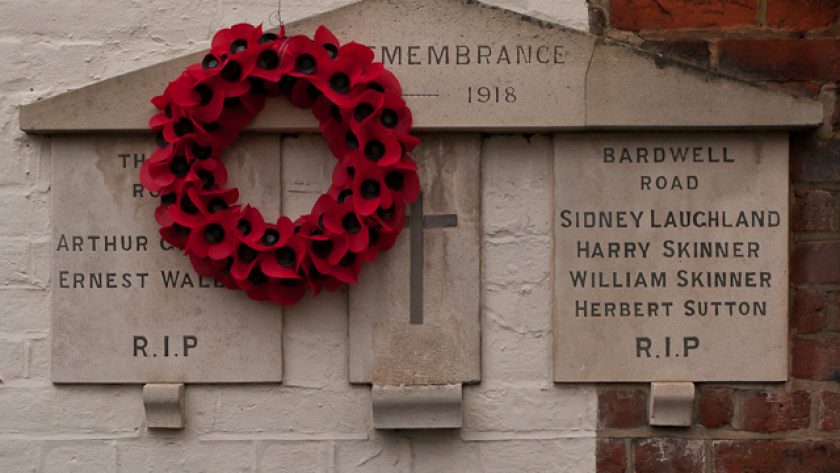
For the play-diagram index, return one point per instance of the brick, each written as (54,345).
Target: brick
(801,15)
(775,456)
(163,453)
(81,457)
(543,456)
(524,409)
(780,59)
(830,420)
(610,456)
(622,408)
(638,15)
(807,312)
(815,359)
(799,89)
(815,161)
(813,211)
(694,52)
(815,263)
(597,20)
(669,455)
(24,310)
(18,456)
(11,359)
(787,411)
(289,457)
(714,407)
(53,410)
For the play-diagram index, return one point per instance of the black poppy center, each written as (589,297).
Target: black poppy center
(315,274)
(348,259)
(340,83)
(183,127)
(201,152)
(179,166)
(374,150)
(207,179)
(238,46)
(161,141)
(322,248)
(267,38)
(182,230)
(351,140)
(373,236)
(376,87)
(362,111)
(305,64)
(313,92)
(268,60)
(232,102)
(370,189)
(286,257)
(344,195)
(389,118)
(394,180)
(316,232)
(258,86)
(188,206)
(212,126)
(205,92)
(209,62)
(331,49)
(270,238)
(351,224)
(287,83)
(289,282)
(214,234)
(168,199)
(215,205)
(385,214)
(247,254)
(231,71)
(257,277)
(244,226)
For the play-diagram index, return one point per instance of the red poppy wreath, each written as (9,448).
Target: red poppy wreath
(366,125)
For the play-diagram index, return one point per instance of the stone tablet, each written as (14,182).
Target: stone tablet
(126,307)
(415,314)
(671,257)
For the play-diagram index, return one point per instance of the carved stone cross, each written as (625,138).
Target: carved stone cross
(417,225)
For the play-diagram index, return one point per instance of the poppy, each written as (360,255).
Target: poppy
(176,235)
(346,71)
(402,178)
(308,60)
(285,261)
(287,291)
(369,189)
(214,236)
(342,219)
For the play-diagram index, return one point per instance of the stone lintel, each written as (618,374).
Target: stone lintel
(417,407)
(570,80)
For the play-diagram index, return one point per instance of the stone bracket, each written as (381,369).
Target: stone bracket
(416,407)
(671,404)
(164,406)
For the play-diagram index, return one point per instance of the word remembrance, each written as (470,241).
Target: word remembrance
(668,257)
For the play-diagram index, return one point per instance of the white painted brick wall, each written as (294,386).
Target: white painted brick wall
(515,420)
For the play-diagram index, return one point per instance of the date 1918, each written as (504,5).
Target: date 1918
(491,95)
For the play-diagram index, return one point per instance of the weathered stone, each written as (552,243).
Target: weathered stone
(657,293)
(125,309)
(385,348)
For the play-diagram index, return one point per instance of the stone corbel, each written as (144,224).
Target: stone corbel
(165,406)
(417,406)
(671,404)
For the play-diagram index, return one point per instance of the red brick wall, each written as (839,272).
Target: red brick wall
(795,426)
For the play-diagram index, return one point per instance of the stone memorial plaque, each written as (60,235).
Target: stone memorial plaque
(671,257)
(468,66)
(415,314)
(129,308)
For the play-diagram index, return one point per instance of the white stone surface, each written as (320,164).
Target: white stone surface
(316,421)
(667,269)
